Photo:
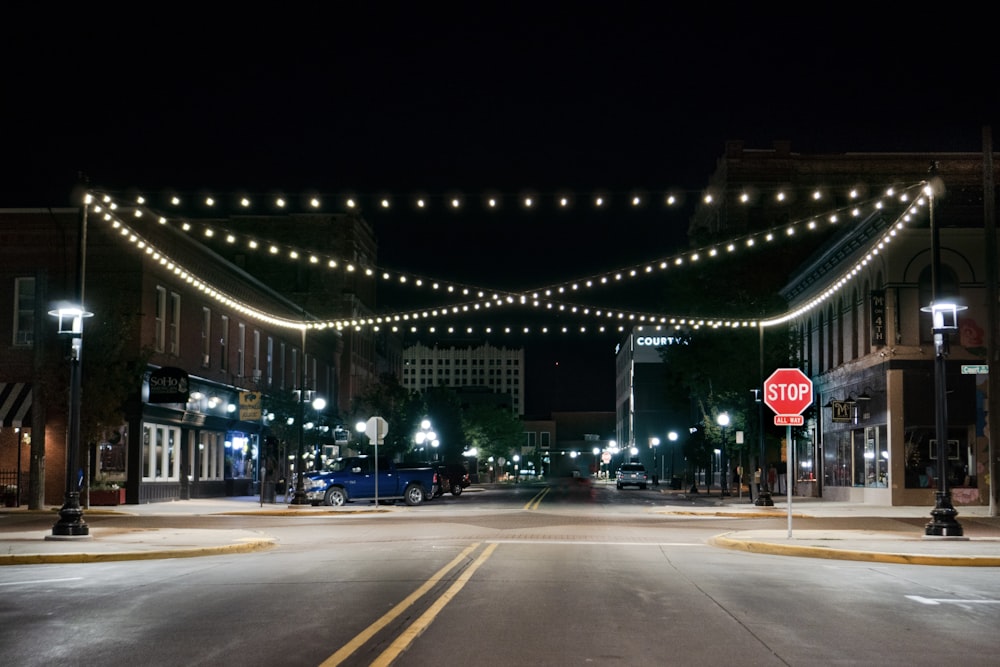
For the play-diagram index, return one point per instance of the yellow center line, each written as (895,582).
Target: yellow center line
(407,637)
(537,500)
(359,640)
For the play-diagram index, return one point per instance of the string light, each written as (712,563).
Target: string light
(500,297)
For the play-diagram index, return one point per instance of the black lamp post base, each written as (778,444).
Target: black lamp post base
(299,498)
(70,523)
(764,499)
(943,523)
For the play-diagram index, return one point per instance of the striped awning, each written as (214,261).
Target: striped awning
(15,404)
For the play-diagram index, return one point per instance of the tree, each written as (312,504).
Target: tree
(401,408)
(493,431)
(110,372)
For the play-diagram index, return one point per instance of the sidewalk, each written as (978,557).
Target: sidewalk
(105,544)
(980,546)
(904,543)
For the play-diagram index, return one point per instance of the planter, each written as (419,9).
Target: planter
(107,497)
(10,500)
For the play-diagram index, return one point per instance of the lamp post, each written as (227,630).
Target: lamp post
(654,444)
(427,435)
(317,404)
(723,421)
(71,522)
(517,467)
(944,315)
(672,437)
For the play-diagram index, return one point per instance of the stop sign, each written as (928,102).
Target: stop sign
(788,391)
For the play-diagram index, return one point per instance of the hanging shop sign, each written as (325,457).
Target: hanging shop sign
(168,385)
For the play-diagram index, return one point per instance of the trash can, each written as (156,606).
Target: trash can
(675,483)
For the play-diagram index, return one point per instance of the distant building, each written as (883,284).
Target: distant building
(497,369)
(643,420)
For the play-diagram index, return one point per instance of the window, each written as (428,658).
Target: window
(270,361)
(256,355)
(206,336)
(175,324)
(241,350)
(281,367)
(24,311)
(224,341)
(161,461)
(160,333)
(211,455)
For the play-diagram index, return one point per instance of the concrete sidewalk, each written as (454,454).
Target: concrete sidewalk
(853,542)
(980,546)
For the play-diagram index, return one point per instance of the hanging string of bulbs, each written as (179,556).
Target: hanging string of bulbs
(483,299)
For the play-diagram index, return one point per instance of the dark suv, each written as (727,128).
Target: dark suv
(632,474)
(453,478)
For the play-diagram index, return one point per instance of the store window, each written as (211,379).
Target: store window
(838,462)
(922,463)
(211,455)
(239,457)
(161,460)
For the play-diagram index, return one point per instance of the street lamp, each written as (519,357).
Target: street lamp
(654,444)
(71,523)
(427,435)
(723,421)
(672,437)
(517,467)
(302,396)
(944,316)
(597,462)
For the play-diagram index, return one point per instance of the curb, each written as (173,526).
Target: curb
(244,546)
(773,549)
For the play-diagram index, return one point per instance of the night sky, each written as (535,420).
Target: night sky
(581,99)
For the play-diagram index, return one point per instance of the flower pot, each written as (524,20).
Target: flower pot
(107,497)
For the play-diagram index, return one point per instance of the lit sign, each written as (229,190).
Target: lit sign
(659,341)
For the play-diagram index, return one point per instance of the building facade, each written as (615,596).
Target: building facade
(498,369)
(643,419)
(163,300)
(859,331)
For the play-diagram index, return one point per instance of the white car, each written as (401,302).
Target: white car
(632,474)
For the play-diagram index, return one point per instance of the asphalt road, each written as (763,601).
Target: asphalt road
(508,575)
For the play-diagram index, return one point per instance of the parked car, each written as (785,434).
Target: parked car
(354,478)
(452,478)
(632,474)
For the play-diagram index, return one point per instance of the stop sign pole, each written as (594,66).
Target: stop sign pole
(788,391)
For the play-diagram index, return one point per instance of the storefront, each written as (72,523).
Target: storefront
(197,449)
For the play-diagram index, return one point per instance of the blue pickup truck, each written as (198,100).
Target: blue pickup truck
(353,478)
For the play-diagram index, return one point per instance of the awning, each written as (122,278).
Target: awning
(15,404)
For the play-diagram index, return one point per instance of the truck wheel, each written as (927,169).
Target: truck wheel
(413,495)
(335,496)
(456,490)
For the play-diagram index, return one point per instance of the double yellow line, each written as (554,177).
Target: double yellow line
(537,500)
(415,629)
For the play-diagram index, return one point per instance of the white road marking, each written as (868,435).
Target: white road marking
(937,601)
(38,581)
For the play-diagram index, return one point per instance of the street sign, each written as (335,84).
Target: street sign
(375,429)
(249,406)
(606,457)
(789,420)
(788,391)
(975,369)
